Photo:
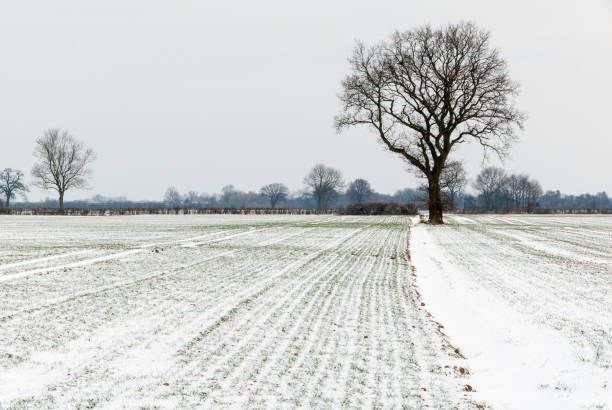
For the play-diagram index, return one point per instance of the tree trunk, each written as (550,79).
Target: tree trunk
(319,202)
(61,202)
(8,200)
(435,204)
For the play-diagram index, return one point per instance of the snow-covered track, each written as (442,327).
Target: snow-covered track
(528,300)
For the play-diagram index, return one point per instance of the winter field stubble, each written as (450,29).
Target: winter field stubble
(309,311)
(218,311)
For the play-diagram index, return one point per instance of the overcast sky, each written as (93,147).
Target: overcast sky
(199,95)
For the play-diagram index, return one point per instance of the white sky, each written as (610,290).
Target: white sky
(200,95)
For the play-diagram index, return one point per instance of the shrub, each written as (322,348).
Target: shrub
(380,208)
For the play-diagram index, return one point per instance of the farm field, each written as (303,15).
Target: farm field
(218,311)
(256,311)
(528,299)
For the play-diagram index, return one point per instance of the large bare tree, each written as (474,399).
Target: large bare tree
(275,193)
(63,163)
(324,184)
(11,183)
(425,91)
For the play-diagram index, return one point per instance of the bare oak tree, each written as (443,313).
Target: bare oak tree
(275,193)
(359,191)
(324,184)
(11,183)
(63,163)
(424,91)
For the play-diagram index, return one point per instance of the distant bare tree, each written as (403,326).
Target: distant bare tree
(172,198)
(11,183)
(359,191)
(275,193)
(518,186)
(535,191)
(324,184)
(227,194)
(523,191)
(210,201)
(191,199)
(98,198)
(453,180)
(63,163)
(489,182)
(425,91)
(251,200)
(406,195)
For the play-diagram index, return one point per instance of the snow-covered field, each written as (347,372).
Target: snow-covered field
(309,311)
(252,311)
(528,299)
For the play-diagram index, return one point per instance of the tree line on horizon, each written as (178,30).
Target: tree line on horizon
(324,187)
(492,189)
(63,163)
(422,92)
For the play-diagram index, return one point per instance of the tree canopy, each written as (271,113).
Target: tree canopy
(426,90)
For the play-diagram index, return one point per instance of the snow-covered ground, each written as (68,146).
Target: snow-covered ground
(218,311)
(528,300)
(305,311)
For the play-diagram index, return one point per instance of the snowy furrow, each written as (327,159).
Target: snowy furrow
(173,270)
(529,304)
(537,286)
(273,312)
(227,315)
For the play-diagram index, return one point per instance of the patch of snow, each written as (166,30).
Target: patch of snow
(515,363)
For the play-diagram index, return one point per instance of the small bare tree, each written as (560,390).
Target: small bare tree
(275,193)
(228,192)
(490,182)
(192,199)
(425,91)
(63,163)
(324,184)
(359,191)
(535,191)
(11,183)
(518,186)
(524,191)
(173,198)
